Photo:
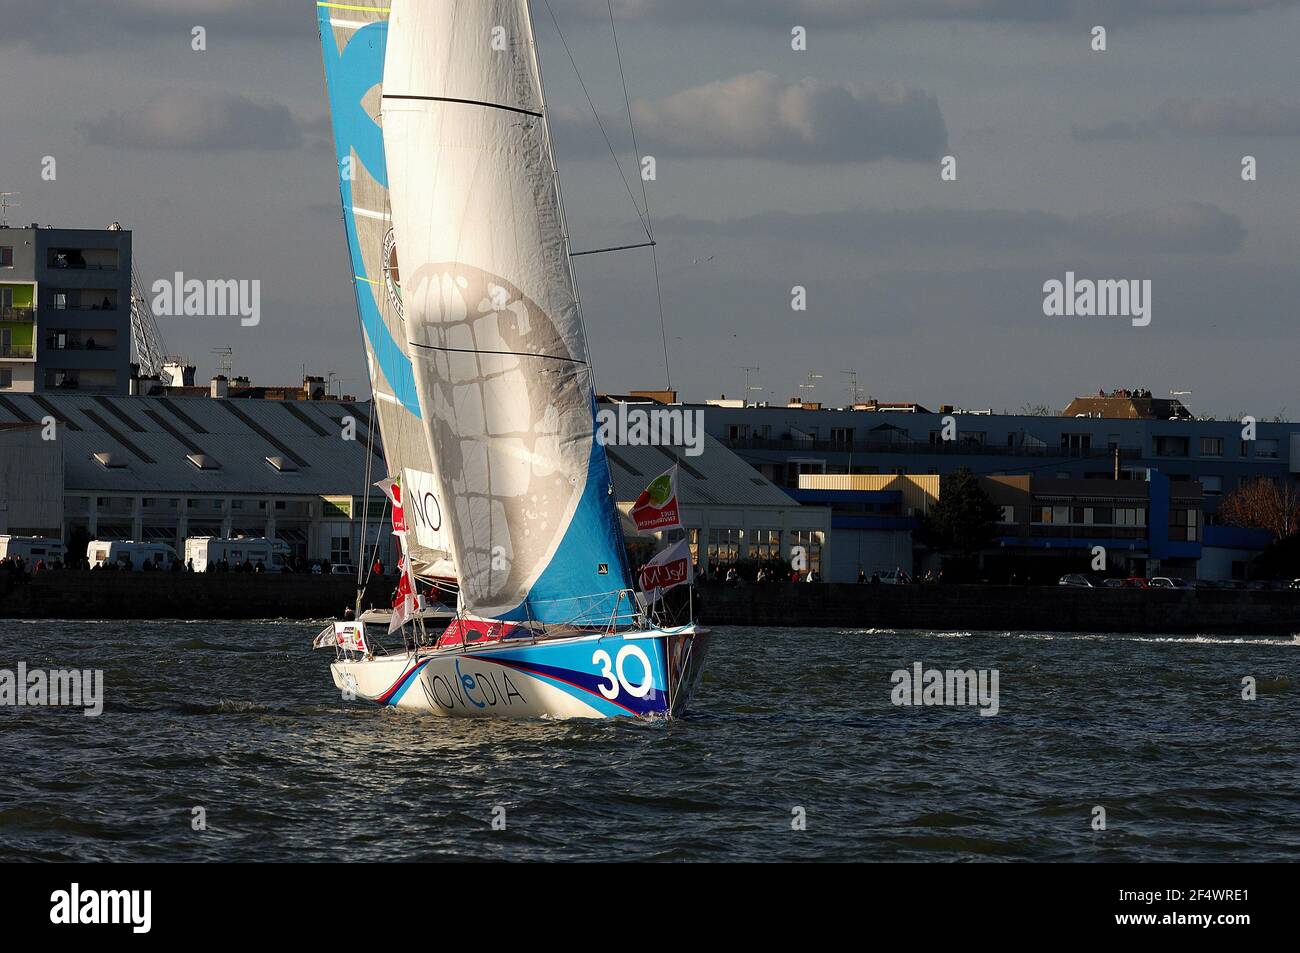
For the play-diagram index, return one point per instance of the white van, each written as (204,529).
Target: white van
(100,552)
(206,551)
(32,549)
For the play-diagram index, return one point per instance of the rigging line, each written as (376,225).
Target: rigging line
(645,198)
(602,251)
(578,73)
(631,126)
(363,575)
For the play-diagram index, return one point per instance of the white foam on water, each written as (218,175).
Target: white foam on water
(1293,641)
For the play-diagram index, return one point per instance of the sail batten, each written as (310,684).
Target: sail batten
(493,323)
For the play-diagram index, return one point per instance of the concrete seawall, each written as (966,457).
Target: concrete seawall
(83,595)
(1005,608)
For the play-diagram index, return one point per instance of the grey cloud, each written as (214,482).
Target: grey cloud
(760,115)
(1205,117)
(1192,228)
(190,120)
(59,26)
(1240,117)
(860,14)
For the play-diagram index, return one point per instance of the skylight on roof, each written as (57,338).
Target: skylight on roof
(202,461)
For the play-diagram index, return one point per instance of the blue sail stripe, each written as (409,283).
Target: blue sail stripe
(350,75)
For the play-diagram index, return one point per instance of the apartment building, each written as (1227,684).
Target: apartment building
(65,310)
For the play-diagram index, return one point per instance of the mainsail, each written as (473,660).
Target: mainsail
(353,40)
(492,316)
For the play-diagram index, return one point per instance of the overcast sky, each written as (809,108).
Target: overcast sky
(775,168)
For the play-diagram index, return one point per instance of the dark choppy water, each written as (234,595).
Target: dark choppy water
(243,720)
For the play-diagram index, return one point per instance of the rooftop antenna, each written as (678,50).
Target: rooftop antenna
(748,369)
(5,206)
(853,376)
(226,360)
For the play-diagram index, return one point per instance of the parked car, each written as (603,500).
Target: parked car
(1080,580)
(1113,583)
(1137,582)
(894,577)
(342,569)
(1170,582)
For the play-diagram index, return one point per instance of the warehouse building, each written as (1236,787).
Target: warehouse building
(166,468)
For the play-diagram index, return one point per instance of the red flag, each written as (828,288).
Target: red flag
(403,600)
(670,568)
(392,488)
(656,508)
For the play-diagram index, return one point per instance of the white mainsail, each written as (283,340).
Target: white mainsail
(492,317)
(353,41)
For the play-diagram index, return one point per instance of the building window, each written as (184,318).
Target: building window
(1130,516)
(340,550)
(1212,485)
(1076,442)
(1266,449)
(738,432)
(6,256)
(842,436)
(1008,514)
(6,298)
(724,549)
(1211,446)
(1182,525)
(809,542)
(1171,446)
(6,379)
(60,301)
(765,544)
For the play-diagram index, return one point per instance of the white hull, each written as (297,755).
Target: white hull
(649,673)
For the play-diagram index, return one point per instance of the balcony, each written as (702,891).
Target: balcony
(17,314)
(90,345)
(943,448)
(13,352)
(76,387)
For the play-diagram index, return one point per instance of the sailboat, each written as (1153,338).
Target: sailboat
(479,359)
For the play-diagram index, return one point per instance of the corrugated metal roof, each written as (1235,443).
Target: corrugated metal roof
(138,430)
(166,430)
(715,478)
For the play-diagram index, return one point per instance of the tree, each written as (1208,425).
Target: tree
(1263,503)
(1037,410)
(964,520)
